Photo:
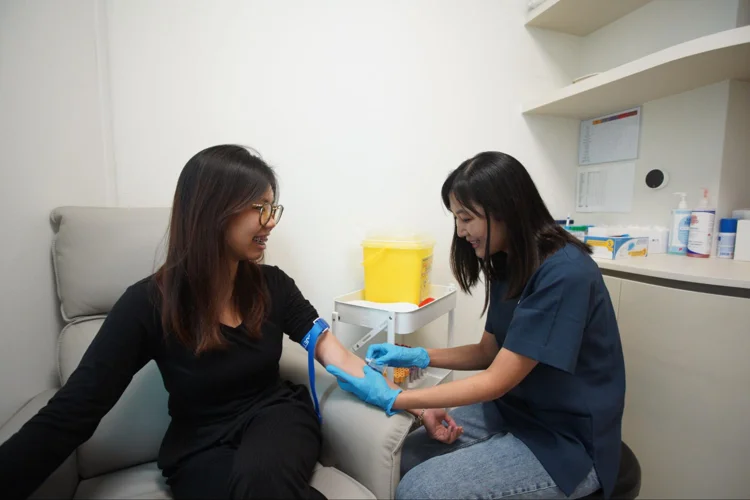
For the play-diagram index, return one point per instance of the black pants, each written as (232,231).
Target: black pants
(274,458)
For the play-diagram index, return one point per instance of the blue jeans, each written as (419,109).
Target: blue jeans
(485,462)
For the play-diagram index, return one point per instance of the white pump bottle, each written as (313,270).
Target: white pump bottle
(679,227)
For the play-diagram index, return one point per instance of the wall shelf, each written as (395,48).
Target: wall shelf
(580,17)
(686,66)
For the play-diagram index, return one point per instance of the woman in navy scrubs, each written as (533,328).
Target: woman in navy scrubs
(542,418)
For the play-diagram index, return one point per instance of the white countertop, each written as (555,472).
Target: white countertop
(711,271)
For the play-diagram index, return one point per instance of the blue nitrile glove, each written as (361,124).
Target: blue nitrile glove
(395,355)
(372,388)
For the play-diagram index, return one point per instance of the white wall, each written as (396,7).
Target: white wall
(53,154)
(655,26)
(743,13)
(683,135)
(735,174)
(364,107)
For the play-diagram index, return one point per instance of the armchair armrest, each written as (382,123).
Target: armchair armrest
(64,481)
(364,442)
(358,439)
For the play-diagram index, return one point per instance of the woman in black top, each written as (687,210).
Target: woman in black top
(212,318)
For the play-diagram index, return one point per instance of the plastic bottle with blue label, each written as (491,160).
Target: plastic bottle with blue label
(679,227)
(701,232)
(727,236)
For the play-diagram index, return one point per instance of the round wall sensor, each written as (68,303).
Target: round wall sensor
(657,179)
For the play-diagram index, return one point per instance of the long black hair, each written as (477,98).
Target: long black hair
(215,185)
(498,184)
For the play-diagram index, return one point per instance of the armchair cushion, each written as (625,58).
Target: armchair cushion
(131,433)
(146,481)
(141,481)
(98,252)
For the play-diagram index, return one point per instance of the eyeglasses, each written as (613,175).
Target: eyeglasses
(266,211)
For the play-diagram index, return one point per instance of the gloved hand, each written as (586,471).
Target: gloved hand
(395,355)
(372,388)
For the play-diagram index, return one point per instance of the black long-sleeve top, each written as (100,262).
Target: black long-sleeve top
(211,395)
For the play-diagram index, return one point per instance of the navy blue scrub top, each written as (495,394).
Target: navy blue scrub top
(568,410)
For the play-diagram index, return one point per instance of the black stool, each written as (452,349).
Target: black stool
(628,484)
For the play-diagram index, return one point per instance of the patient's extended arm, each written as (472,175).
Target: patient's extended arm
(330,351)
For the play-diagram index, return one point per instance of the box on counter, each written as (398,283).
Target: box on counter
(618,247)
(742,240)
(658,236)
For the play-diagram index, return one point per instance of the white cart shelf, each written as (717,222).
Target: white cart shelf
(378,318)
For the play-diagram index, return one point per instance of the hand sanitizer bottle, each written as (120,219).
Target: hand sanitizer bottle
(701,235)
(679,227)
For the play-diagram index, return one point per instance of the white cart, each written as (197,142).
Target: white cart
(398,323)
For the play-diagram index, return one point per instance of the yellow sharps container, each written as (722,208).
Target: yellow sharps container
(397,269)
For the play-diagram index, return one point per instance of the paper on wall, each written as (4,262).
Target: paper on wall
(605,188)
(610,138)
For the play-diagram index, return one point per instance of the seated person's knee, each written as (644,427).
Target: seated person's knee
(416,486)
(271,479)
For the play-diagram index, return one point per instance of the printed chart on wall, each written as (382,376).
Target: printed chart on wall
(606,172)
(610,138)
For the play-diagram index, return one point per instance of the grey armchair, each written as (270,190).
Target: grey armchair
(97,253)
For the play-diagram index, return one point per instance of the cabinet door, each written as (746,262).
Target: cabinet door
(687,414)
(613,286)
